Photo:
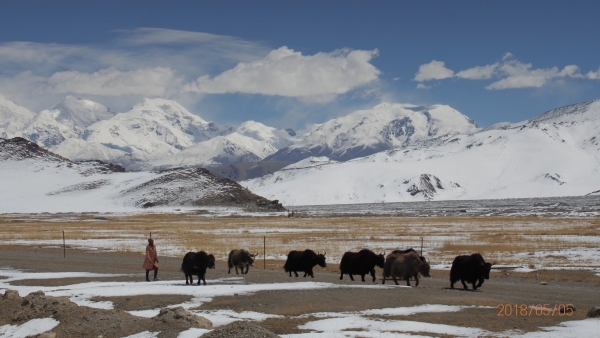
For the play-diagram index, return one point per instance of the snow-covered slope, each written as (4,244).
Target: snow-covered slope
(385,126)
(554,154)
(66,120)
(154,129)
(230,149)
(36,180)
(258,131)
(13,118)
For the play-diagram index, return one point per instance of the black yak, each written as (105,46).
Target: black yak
(196,263)
(471,269)
(360,263)
(303,261)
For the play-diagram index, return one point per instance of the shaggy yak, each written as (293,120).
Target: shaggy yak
(405,266)
(196,263)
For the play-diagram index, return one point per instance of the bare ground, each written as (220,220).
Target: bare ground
(577,287)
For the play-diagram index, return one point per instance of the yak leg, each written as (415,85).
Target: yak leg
(341,275)
(362,277)
(451,285)
(236,271)
(229,271)
(295,273)
(474,286)
(351,277)
(480,282)
(464,285)
(204,280)
(407,281)
(310,273)
(417,279)
(373,275)
(383,282)
(395,281)
(191,279)
(247,268)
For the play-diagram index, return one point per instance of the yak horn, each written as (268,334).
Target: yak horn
(325,253)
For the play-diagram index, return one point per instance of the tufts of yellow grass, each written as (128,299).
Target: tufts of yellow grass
(508,240)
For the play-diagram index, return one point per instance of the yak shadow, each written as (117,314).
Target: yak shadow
(461,289)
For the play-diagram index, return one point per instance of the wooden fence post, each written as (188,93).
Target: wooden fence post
(64,246)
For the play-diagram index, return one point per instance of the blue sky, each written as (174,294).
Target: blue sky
(293,63)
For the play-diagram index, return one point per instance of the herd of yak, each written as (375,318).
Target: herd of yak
(402,264)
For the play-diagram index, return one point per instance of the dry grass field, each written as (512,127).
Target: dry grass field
(523,241)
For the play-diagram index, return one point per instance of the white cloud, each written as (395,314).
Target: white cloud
(204,45)
(521,75)
(113,82)
(137,63)
(435,70)
(593,75)
(478,73)
(509,73)
(422,86)
(285,72)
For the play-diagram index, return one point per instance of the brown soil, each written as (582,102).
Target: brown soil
(577,287)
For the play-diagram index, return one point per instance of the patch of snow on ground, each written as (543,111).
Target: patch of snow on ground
(353,325)
(406,311)
(28,329)
(83,292)
(575,328)
(144,334)
(192,333)
(224,317)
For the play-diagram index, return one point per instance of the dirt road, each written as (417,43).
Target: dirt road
(580,288)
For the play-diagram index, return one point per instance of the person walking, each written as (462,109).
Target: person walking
(151,260)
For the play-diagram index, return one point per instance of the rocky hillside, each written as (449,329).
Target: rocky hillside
(37,180)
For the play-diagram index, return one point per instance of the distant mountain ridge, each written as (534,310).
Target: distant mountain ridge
(554,154)
(162,134)
(385,126)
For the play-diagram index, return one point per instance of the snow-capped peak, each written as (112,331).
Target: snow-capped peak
(385,126)
(167,108)
(13,118)
(258,131)
(81,112)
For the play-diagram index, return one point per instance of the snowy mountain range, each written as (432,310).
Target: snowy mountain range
(389,153)
(34,179)
(385,126)
(554,154)
(162,134)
